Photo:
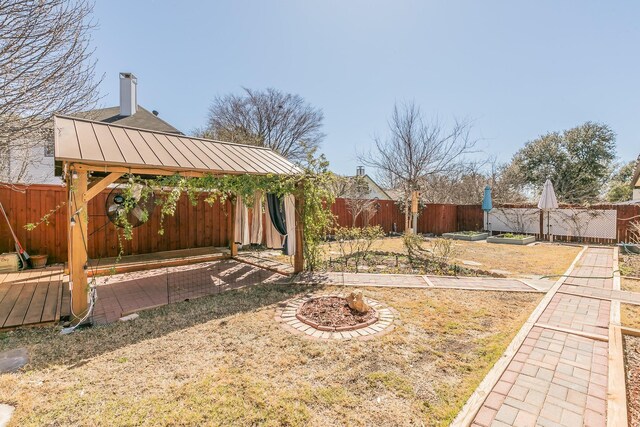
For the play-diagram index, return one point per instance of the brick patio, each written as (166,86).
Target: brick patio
(126,293)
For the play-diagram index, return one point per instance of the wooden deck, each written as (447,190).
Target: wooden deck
(33,297)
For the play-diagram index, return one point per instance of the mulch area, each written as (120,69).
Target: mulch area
(629,264)
(334,312)
(632,356)
(395,263)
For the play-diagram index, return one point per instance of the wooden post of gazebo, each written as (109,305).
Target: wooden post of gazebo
(80,194)
(78,253)
(298,259)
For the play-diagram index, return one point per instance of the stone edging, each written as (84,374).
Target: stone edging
(387,318)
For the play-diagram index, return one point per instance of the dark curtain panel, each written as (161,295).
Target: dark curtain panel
(276,213)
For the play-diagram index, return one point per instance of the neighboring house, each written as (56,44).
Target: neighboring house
(40,168)
(635,182)
(375,191)
(395,194)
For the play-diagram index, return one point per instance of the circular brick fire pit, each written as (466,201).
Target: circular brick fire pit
(325,317)
(332,314)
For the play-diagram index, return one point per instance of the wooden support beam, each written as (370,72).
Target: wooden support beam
(298,259)
(616,382)
(150,171)
(97,187)
(78,244)
(233,248)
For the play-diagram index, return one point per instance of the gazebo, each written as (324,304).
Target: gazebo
(97,154)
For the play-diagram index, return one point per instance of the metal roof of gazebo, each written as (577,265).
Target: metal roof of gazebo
(101,144)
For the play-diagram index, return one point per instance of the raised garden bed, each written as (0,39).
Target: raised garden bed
(466,235)
(511,239)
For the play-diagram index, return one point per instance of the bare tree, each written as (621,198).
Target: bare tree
(464,184)
(416,150)
(358,201)
(281,121)
(45,68)
(340,185)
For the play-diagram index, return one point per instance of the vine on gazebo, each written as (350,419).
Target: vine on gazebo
(313,183)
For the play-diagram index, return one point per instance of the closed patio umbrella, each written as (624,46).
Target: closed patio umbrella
(547,202)
(487,204)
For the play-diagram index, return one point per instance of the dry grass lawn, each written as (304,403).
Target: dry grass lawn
(223,360)
(542,259)
(630,285)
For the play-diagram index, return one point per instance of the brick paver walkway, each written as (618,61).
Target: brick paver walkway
(417,281)
(608,294)
(558,376)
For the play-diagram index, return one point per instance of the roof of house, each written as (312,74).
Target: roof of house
(373,187)
(394,194)
(377,188)
(143,119)
(101,144)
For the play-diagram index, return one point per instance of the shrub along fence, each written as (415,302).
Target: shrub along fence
(203,225)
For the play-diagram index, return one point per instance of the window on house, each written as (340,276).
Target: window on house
(49,149)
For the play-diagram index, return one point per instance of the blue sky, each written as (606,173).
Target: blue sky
(516,69)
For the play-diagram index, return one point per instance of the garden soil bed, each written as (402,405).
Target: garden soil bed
(397,263)
(630,266)
(632,358)
(542,259)
(332,313)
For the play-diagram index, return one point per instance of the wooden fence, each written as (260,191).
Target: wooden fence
(204,225)
(191,227)
(469,218)
(385,215)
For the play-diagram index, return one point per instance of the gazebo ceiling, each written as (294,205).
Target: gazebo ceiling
(102,145)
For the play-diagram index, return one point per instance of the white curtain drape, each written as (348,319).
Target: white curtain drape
(290,219)
(242,236)
(256,219)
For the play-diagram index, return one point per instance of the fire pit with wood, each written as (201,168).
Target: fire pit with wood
(334,313)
